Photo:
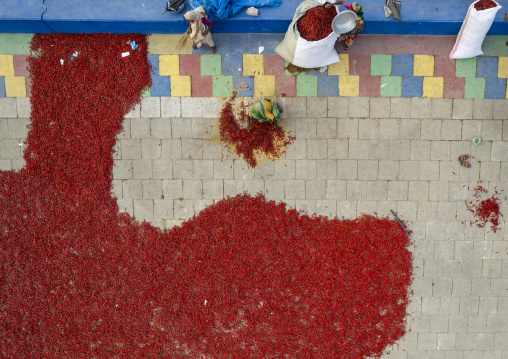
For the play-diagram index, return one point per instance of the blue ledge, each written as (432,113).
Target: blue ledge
(431,17)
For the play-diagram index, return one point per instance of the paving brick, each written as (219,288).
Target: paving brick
(151,148)
(326,169)
(347,128)
(410,129)
(274,190)
(296,107)
(132,189)
(397,190)
(431,129)
(181,128)
(306,128)
(409,170)
(492,130)
(370,86)
(359,149)
(143,208)
(366,207)
(266,170)
(368,128)
(399,149)
(140,128)
(233,187)
(315,189)
(420,150)
(451,130)
(18,128)
(192,149)
(454,87)
(418,190)
(211,107)
(326,128)
(483,109)
(462,109)
(306,169)
(337,107)
(8,107)
(182,169)
(359,107)
(356,190)
(191,107)
(285,169)
(298,150)
(317,107)
(223,169)
(294,189)
(122,169)
(500,111)
(337,149)
(379,150)
(150,107)
(499,151)
(379,107)
(213,189)
(308,206)
(420,323)
(377,190)
(429,170)
(389,129)
(336,189)
(317,149)
(254,186)
(367,170)
(440,150)
(388,170)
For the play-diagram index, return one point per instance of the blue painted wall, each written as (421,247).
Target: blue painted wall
(431,17)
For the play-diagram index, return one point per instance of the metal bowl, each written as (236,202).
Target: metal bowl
(344,22)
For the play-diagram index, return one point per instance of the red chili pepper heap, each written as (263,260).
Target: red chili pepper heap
(261,136)
(316,24)
(487,210)
(484,5)
(245,278)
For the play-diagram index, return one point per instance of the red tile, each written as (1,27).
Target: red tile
(359,65)
(285,85)
(369,86)
(444,67)
(454,87)
(201,86)
(274,65)
(21,65)
(190,65)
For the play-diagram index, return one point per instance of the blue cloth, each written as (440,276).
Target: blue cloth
(224,9)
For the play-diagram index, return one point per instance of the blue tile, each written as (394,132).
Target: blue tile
(154,61)
(232,65)
(328,85)
(412,86)
(495,88)
(2,86)
(244,85)
(402,65)
(161,86)
(486,67)
(318,73)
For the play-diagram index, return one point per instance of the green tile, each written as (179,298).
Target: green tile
(495,45)
(295,74)
(306,86)
(381,65)
(211,65)
(391,86)
(15,44)
(146,92)
(475,87)
(222,86)
(465,67)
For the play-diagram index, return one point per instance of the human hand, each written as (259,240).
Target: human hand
(206,32)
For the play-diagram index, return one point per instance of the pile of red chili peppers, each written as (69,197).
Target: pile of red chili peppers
(316,24)
(259,136)
(484,5)
(487,210)
(245,278)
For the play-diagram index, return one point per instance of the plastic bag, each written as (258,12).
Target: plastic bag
(307,54)
(473,31)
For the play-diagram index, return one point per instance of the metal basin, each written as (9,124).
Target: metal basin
(344,22)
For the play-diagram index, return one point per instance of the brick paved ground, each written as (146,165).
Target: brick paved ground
(370,153)
(350,156)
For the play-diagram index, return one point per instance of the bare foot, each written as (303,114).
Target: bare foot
(213,50)
(194,46)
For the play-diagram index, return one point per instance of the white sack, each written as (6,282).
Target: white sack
(473,31)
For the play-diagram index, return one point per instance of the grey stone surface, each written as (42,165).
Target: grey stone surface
(396,153)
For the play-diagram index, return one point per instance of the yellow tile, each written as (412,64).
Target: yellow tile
(169,65)
(15,86)
(349,86)
(164,45)
(340,68)
(433,87)
(253,65)
(502,67)
(181,86)
(6,65)
(264,86)
(423,65)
